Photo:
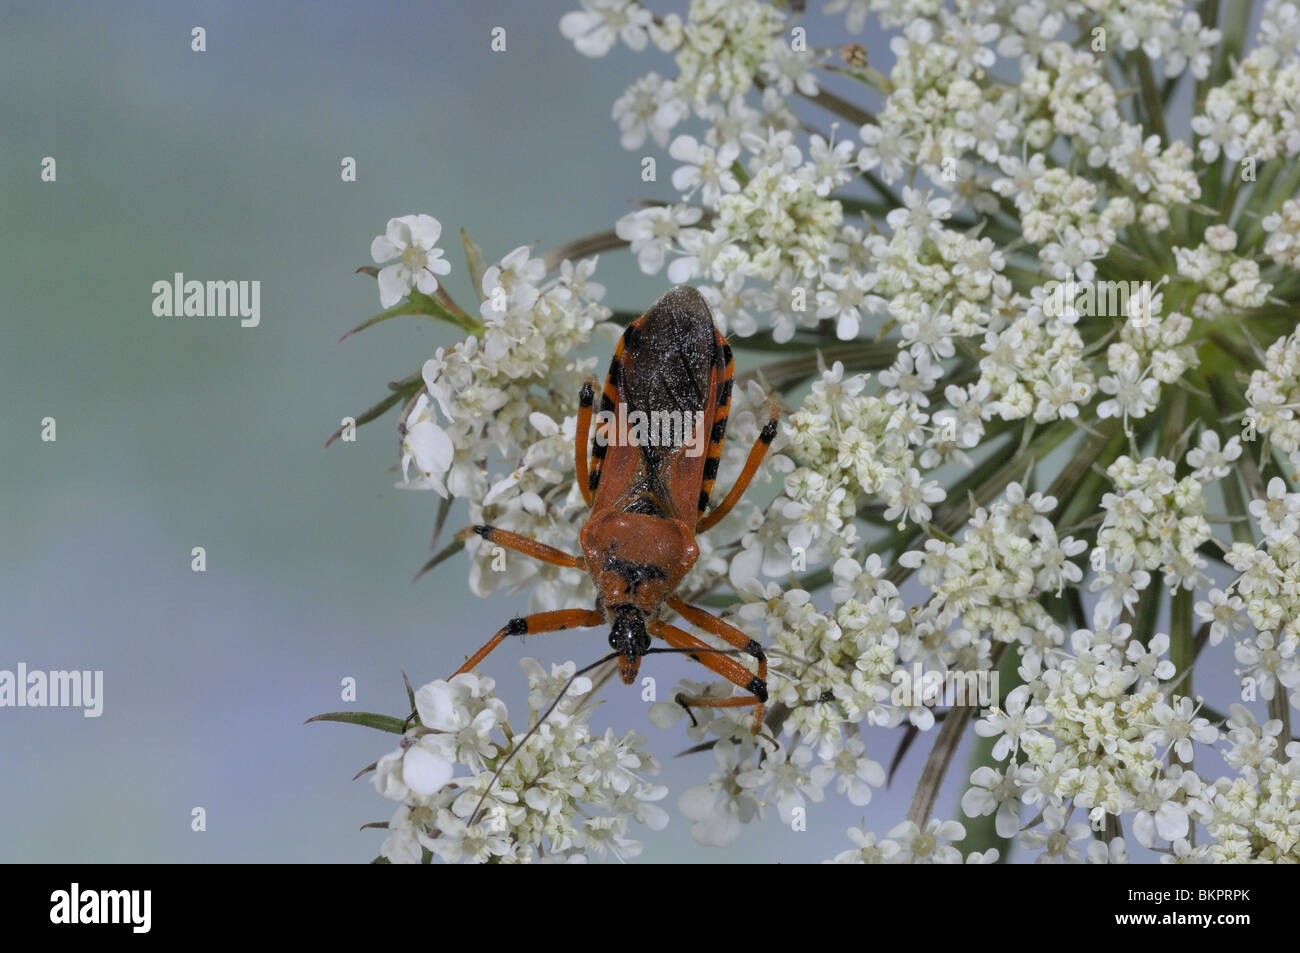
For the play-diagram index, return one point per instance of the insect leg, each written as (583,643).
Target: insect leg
(756,454)
(609,399)
(533,625)
(582,438)
(727,361)
(522,544)
(728,668)
(723,630)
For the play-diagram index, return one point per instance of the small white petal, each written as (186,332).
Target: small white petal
(425,772)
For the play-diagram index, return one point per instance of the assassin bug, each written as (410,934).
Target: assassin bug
(648,501)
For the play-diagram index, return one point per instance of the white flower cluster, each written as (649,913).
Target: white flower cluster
(906,843)
(1257,111)
(1034,367)
(990,581)
(1161,28)
(1229,279)
(985,197)
(1152,522)
(1096,721)
(1274,396)
(778,228)
(1094,730)
(1151,351)
(1268,591)
(844,444)
(481,428)
(790,778)
(563,796)
(834,671)
(1283,227)
(722,51)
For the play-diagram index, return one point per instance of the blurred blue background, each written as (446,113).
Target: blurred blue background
(183,432)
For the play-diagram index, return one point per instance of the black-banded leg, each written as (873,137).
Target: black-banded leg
(725,362)
(727,667)
(609,400)
(582,439)
(532,625)
(756,454)
(724,630)
(522,544)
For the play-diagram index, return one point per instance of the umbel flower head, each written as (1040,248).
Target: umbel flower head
(1035,332)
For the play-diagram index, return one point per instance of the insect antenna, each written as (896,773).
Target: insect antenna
(474,816)
(691,651)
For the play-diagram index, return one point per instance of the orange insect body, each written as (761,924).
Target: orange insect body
(649,497)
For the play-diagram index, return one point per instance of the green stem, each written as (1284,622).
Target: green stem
(843,108)
(1235,501)
(981,832)
(1229,200)
(856,357)
(583,247)
(945,746)
(1182,652)
(1209,12)
(1279,706)
(1151,98)
(1236,23)
(1283,189)
(1182,640)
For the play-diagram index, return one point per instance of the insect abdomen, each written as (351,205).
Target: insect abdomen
(671,361)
